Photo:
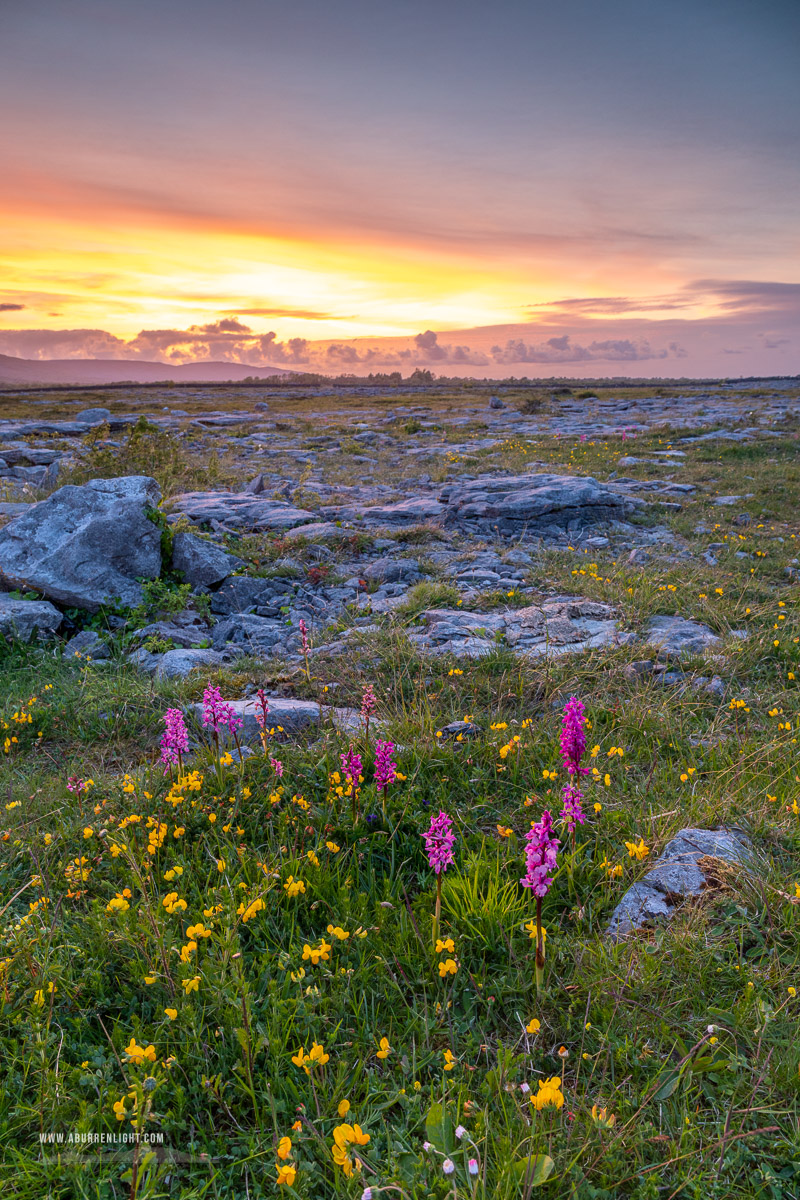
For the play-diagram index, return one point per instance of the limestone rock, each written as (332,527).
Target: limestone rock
(293,717)
(24,618)
(86,546)
(392,570)
(93,416)
(239,510)
(519,504)
(202,563)
(87,644)
(177,664)
(676,875)
(255,635)
(677,636)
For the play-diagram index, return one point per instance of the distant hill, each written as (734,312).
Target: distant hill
(84,371)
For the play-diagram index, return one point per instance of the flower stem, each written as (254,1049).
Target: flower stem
(438,910)
(539,947)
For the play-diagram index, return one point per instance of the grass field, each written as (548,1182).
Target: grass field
(171,942)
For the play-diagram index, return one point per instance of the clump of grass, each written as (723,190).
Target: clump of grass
(428,594)
(149,450)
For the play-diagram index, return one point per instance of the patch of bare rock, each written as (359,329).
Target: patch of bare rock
(681,871)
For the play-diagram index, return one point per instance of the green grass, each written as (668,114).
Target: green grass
(697,1112)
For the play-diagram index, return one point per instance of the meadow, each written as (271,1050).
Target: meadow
(227,977)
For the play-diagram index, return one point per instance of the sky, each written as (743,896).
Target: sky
(521,188)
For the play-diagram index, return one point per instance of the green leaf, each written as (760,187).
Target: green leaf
(439,1129)
(709,1063)
(671,1081)
(535,1170)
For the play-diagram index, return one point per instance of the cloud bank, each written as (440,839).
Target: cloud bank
(755,320)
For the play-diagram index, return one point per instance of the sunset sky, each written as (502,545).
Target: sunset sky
(516,188)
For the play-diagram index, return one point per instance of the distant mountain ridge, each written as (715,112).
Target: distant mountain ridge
(82,371)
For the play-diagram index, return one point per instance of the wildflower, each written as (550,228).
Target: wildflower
(637,850)
(541,853)
(366,1194)
(317,954)
(460,1131)
(191,985)
(172,904)
(343,1108)
(533,1026)
(450,1060)
(369,704)
(287,1173)
(439,842)
(334,849)
(448,967)
(602,1117)
(246,913)
(572,813)
(218,714)
(118,904)
(284,1148)
(171,1013)
(549,1094)
(385,1049)
(385,768)
(294,887)
(447,945)
(472,1166)
(448,1166)
(305,641)
(343,1137)
(175,738)
(140,1054)
(198,931)
(573,737)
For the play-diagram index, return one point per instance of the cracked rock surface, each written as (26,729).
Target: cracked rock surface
(676,875)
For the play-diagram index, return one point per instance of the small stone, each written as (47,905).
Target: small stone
(201,562)
(87,644)
(675,875)
(94,416)
(25,618)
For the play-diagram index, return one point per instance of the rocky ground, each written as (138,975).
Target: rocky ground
(364,513)
(478,559)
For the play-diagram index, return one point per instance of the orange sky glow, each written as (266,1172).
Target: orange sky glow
(340,177)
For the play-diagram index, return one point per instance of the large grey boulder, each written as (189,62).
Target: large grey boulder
(87,645)
(676,875)
(246,593)
(516,505)
(416,510)
(239,510)
(93,416)
(177,664)
(392,570)
(86,546)
(678,636)
(287,718)
(561,625)
(256,635)
(23,618)
(202,563)
(185,630)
